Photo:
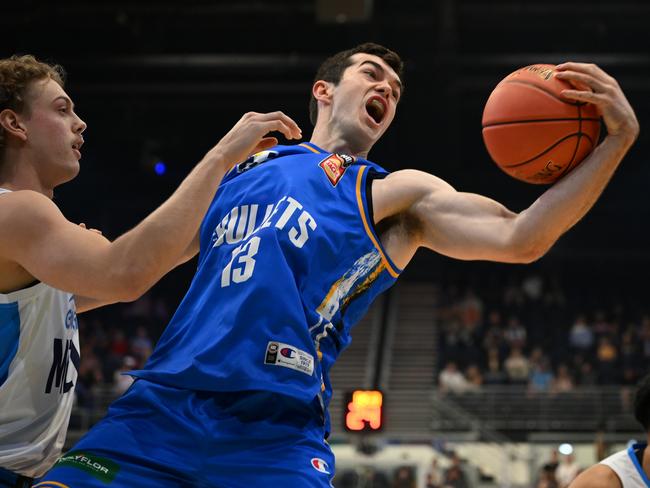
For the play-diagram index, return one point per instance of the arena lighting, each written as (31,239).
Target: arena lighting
(565,449)
(364,411)
(160,168)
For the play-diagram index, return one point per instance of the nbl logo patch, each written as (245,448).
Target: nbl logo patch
(335,165)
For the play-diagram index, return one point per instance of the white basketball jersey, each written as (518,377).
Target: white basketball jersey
(39,358)
(627,467)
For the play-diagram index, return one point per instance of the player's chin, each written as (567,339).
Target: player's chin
(69,172)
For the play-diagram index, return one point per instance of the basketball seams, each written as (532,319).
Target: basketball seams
(529,121)
(548,92)
(553,146)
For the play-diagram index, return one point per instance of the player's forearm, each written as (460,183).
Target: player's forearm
(564,204)
(155,246)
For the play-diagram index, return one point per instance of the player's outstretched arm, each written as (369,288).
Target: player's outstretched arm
(74,259)
(468,226)
(597,476)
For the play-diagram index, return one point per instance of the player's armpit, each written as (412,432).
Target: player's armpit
(61,253)
(598,476)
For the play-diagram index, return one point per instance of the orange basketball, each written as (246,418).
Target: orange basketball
(532,132)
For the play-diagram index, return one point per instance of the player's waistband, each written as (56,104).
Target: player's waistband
(9,479)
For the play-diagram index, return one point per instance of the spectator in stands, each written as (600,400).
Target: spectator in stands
(474,378)
(515,333)
(455,476)
(494,374)
(581,337)
(470,310)
(547,478)
(517,367)
(122,382)
(435,475)
(404,477)
(567,471)
(563,382)
(607,356)
(541,377)
(587,375)
(493,335)
(451,380)
(141,344)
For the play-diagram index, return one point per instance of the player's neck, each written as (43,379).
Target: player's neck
(335,141)
(18,173)
(646,458)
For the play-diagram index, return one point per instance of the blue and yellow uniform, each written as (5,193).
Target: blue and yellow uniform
(238,385)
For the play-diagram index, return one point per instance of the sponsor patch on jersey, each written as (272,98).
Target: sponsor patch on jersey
(287,356)
(255,160)
(335,165)
(101,468)
(319,465)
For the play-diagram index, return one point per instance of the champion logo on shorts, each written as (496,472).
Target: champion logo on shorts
(319,465)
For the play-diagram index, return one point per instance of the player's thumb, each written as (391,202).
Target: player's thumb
(265,143)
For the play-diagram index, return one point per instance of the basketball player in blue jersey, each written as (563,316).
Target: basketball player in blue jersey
(292,253)
(48,264)
(629,468)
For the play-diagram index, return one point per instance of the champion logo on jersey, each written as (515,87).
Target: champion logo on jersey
(335,165)
(319,465)
(287,352)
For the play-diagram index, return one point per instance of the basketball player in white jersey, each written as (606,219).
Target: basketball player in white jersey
(629,468)
(51,268)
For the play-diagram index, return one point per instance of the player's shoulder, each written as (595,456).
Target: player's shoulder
(414,179)
(25,208)
(597,476)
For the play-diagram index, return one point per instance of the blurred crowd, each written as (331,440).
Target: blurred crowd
(114,340)
(533,331)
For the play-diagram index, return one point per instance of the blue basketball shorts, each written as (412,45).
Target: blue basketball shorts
(163,437)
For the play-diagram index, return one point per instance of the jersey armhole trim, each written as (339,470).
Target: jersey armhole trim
(393,270)
(638,466)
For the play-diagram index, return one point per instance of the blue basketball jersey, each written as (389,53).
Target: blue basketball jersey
(289,262)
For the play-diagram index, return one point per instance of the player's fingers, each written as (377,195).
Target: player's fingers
(577,79)
(266,143)
(96,231)
(295,131)
(585,96)
(82,225)
(277,125)
(589,68)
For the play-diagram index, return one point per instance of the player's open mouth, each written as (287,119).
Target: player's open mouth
(376,108)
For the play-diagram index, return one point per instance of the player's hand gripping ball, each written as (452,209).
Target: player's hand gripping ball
(532,132)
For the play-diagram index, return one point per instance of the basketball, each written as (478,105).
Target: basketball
(532,132)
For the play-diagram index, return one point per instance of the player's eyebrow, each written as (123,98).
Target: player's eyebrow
(381,68)
(66,100)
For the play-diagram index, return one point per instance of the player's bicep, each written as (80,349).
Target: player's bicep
(597,476)
(52,249)
(399,191)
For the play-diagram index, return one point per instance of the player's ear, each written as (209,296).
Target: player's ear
(12,125)
(322,91)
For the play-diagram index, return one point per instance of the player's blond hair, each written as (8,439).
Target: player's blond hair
(16,75)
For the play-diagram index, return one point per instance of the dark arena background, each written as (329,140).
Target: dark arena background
(488,371)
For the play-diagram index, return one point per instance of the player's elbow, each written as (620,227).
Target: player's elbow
(126,284)
(526,249)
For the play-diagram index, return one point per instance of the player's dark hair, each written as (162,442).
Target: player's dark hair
(333,67)
(16,75)
(642,403)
